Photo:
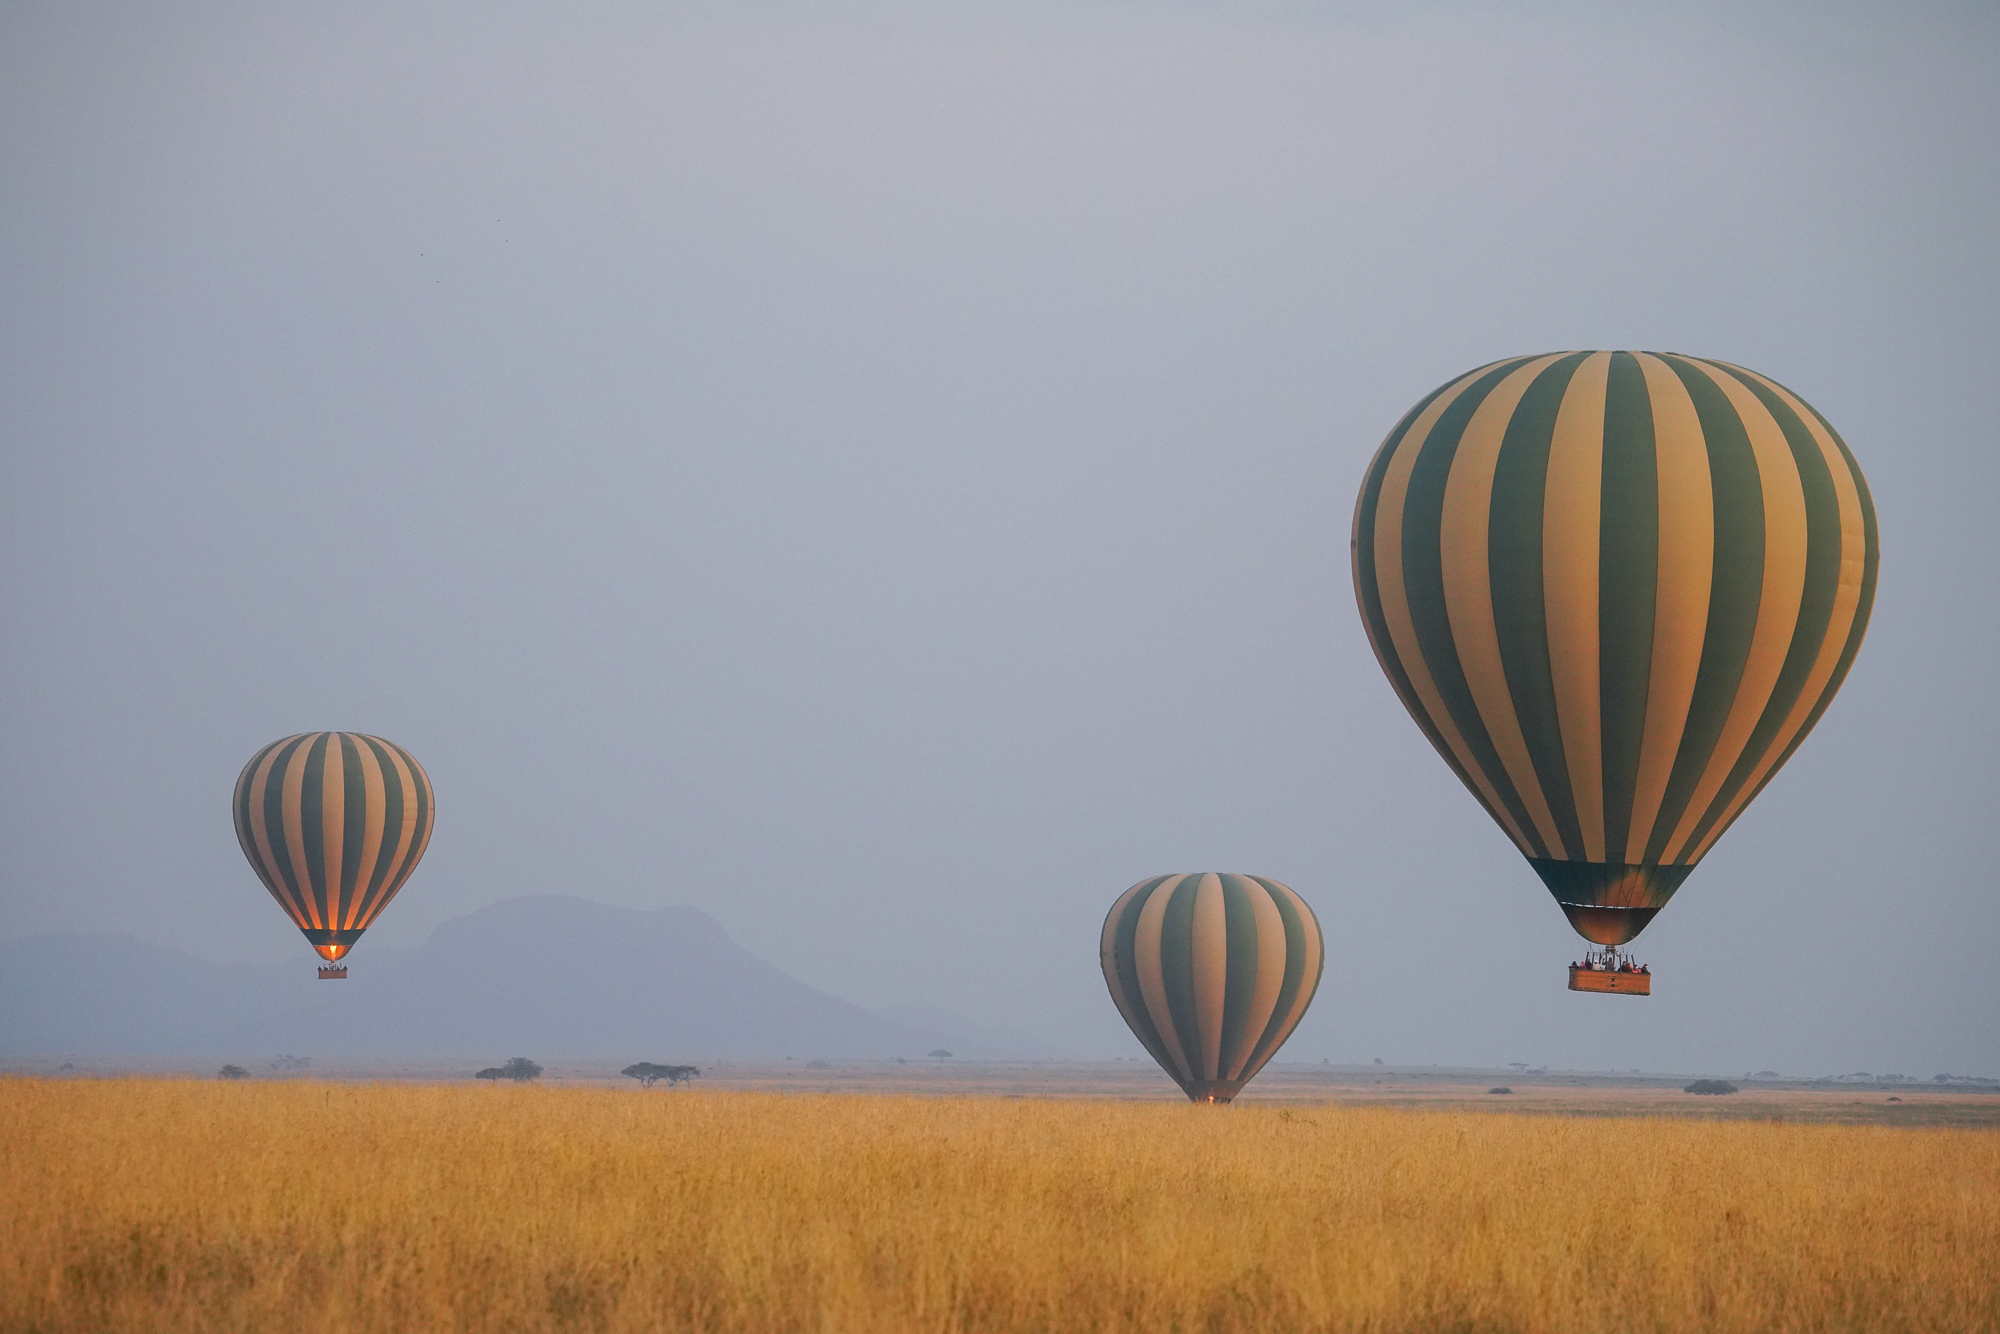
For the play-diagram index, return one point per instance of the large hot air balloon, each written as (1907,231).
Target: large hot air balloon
(333,823)
(1615,590)
(1213,972)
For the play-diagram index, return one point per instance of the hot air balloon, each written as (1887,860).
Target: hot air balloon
(1616,590)
(333,823)
(1212,972)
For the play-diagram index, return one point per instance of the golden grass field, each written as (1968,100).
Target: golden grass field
(185,1205)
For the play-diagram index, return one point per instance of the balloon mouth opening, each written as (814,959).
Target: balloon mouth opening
(1607,926)
(330,944)
(1214,1094)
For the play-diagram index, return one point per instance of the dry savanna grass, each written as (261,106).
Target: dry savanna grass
(181,1205)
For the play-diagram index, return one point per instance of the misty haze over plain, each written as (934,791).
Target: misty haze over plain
(881,475)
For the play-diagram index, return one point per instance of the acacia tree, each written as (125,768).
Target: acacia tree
(649,1074)
(519,1069)
(1710,1086)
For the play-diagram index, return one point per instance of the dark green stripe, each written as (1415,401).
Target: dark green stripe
(1628,572)
(1423,584)
(354,821)
(1240,982)
(1177,970)
(1520,616)
(312,824)
(1816,600)
(1124,957)
(274,821)
(1736,587)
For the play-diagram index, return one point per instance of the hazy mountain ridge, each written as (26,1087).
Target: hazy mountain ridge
(549,974)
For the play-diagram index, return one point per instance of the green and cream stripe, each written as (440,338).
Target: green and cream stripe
(1212,972)
(333,823)
(1616,590)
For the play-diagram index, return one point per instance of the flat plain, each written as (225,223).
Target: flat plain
(942,1197)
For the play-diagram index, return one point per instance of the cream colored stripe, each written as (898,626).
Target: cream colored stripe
(291,808)
(1777,603)
(1840,624)
(1107,957)
(1211,972)
(1680,610)
(333,823)
(260,834)
(1572,516)
(1152,983)
(1396,603)
(373,820)
(1468,589)
(1270,974)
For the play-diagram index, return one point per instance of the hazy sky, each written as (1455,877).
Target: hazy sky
(882,474)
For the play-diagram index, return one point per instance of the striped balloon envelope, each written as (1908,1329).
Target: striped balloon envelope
(333,823)
(1212,972)
(1616,590)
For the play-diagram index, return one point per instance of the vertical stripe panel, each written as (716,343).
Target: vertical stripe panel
(365,826)
(256,835)
(292,827)
(1242,944)
(397,826)
(1209,923)
(1367,586)
(1465,552)
(332,823)
(1686,546)
(1119,958)
(1397,613)
(1270,978)
(1736,580)
(1848,610)
(274,842)
(416,827)
(1628,581)
(1302,970)
(1516,554)
(1571,515)
(1777,615)
(1147,954)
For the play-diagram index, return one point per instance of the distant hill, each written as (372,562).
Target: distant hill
(550,974)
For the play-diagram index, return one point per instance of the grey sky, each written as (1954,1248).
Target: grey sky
(882,475)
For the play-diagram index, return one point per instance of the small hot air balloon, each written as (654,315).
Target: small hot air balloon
(1616,590)
(1212,972)
(333,823)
